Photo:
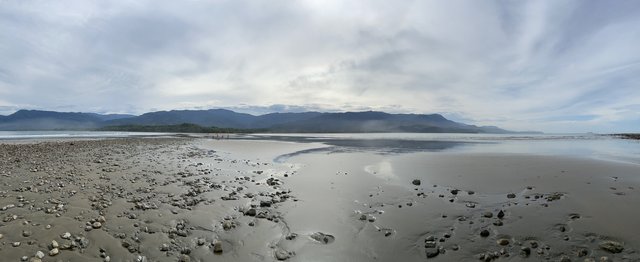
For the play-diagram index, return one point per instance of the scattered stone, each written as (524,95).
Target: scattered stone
(503,242)
(484,233)
(416,182)
(39,254)
(511,195)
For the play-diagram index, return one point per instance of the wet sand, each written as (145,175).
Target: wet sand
(190,199)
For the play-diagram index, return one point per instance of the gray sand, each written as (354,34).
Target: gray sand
(170,199)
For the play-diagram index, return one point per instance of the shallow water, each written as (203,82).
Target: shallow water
(573,145)
(7,135)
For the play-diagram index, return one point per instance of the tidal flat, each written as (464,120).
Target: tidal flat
(328,199)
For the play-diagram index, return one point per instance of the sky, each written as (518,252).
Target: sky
(553,66)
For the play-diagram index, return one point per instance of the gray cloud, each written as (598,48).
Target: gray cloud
(541,65)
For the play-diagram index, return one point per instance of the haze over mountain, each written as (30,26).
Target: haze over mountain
(368,121)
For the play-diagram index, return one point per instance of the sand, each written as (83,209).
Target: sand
(195,199)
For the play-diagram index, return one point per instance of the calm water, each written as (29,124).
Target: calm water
(575,145)
(6,135)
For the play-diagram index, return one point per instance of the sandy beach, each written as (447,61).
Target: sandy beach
(197,199)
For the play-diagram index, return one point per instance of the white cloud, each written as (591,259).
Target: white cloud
(520,65)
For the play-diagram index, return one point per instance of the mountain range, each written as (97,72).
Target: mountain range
(348,122)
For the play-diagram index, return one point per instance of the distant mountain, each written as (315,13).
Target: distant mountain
(49,120)
(352,122)
(371,121)
(212,117)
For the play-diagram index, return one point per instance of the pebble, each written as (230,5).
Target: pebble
(511,195)
(432,252)
(15,244)
(66,235)
(39,254)
(503,242)
(217,247)
(54,252)
(611,246)
(282,255)
(484,233)
(96,225)
(416,182)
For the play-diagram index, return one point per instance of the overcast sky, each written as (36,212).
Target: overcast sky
(555,66)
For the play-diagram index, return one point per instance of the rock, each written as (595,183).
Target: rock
(484,233)
(54,244)
(611,246)
(416,182)
(564,259)
(251,212)
(15,244)
(487,214)
(503,242)
(200,241)
(164,247)
(265,203)
(39,254)
(26,233)
(511,195)
(66,235)
(454,191)
(322,237)
(430,244)
(500,214)
(282,255)
(96,225)
(54,252)
(217,247)
(525,251)
(432,252)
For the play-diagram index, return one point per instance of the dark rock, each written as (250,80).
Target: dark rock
(416,182)
(611,246)
(432,252)
(323,238)
(484,233)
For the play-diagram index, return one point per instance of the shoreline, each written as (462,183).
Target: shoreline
(195,199)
